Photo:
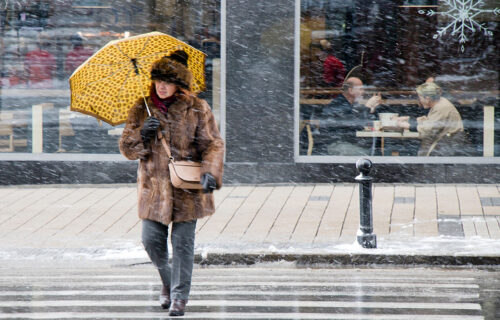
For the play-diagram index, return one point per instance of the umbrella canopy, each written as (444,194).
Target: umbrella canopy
(111,81)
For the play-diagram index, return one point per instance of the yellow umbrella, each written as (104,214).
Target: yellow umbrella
(108,84)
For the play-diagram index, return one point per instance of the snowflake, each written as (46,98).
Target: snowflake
(462,14)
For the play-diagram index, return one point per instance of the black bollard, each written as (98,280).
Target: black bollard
(366,238)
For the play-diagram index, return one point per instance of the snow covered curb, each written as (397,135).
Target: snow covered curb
(451,251)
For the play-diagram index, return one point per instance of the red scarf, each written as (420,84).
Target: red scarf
(162,104)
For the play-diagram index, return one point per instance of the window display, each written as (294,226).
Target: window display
(43,42)
(399,78)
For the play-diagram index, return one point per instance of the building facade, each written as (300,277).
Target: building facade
(275,72)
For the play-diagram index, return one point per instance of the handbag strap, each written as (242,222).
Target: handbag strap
(165,145)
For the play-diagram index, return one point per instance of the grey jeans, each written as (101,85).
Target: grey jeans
(177,276)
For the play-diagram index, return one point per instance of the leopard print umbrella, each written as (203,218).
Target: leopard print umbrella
(111,81)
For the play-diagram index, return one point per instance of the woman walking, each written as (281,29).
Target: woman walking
(188,127)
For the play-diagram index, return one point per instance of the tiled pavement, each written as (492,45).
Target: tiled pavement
(78,216)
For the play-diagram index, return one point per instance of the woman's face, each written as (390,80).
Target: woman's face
(424,102)
(164,89)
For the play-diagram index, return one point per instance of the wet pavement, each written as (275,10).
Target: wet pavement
(414,224)
(268,291)
(289,251)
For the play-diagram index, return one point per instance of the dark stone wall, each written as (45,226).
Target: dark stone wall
(19,172)
(259,81)
(346,172)
(61,170)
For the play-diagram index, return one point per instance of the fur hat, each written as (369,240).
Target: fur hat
(173,69)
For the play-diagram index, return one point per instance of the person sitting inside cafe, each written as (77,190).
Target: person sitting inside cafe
(78,55)
(333,69)
(341,118)
(40,65)
(441,132)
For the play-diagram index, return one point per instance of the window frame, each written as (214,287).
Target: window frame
(348,159)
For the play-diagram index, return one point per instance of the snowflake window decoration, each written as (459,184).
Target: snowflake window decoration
(462,14)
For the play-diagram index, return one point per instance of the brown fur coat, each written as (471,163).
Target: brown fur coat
(191,132)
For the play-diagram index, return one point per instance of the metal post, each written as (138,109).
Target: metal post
(366,238)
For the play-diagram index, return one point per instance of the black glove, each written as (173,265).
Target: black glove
(149,129)
(208,183)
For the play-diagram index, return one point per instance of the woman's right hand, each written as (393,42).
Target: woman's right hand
(402,122)
(148,131)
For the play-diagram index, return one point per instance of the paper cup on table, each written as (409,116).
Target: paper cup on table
(390,123)
(386,118)
(377,125)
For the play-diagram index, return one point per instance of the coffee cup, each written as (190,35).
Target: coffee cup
(387,118)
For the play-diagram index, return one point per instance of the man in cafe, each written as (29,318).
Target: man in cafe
(341,118)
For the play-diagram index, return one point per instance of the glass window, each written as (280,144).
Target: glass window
(42,42)
(399,78)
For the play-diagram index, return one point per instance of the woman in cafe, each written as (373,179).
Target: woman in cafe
(441,131)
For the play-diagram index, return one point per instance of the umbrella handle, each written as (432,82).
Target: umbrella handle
(147,107)
(140,86)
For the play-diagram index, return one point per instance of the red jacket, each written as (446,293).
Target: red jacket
(333,71)
(40,66)
(75,58)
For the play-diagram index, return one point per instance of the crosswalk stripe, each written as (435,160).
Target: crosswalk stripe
(226,277)
(233,315)
(271,284)
(234,293)
(343,284)
(267,293)
(245,303)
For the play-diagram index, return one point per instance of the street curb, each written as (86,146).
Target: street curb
(228,258)
(346,259)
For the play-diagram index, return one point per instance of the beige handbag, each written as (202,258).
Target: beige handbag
(183,174)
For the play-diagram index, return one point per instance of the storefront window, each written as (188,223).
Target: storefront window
(399,78)
(42,42)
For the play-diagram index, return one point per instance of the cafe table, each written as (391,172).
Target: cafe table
(382,134)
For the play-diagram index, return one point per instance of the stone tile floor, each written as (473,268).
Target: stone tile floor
(301,215)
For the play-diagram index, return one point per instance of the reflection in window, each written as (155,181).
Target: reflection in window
(361,63)
(44,41)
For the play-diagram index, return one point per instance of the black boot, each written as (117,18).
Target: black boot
(177,307)
(165,297)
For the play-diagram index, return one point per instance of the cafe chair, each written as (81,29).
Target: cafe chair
(8,122)
(310,141)
(6,130)
(65,127)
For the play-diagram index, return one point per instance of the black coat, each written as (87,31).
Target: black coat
(339,121)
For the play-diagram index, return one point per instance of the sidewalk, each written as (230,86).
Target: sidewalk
(443,224)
